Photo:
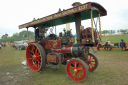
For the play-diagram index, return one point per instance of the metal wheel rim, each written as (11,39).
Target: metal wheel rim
(92,62)
(76,70)
(33,57)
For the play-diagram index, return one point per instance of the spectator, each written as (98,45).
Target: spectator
(99,45)
(0,46)
(36,34)
(122,44)
(42,31)
(107,44)
(92,49)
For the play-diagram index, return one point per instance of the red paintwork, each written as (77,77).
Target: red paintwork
(67,49)
(55,43)
(34,63)
(46,46)
(53,58)
(92,63)
(57,48)
(81,71)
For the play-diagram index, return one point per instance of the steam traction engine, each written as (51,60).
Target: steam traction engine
(55,50)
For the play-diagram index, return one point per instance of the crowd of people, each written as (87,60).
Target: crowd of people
(107,44)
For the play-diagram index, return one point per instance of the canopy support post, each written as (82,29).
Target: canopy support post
(35,32)
(55,26)
(67,26)
(99,26)
(92,27)
(78,24)
(27,34)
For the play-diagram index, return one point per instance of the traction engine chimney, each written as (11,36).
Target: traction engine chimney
(77,22)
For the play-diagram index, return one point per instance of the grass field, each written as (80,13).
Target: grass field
(112,70)
(115,39)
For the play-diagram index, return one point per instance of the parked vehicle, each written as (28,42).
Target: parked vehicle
(21,45)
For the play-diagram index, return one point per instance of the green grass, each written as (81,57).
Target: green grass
(112,70)
(115,39)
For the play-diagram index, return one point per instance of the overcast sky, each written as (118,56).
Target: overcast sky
(16,12)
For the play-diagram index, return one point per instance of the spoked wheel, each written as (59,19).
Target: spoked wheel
(36,57)
(92,62)
(77,69)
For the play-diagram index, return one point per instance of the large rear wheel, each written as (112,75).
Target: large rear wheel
(36,57)
(77,69)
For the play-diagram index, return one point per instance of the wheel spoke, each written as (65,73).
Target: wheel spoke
(74,74)
(38,55)
(72,71)
(30,58)
(71,67)
(33,48)
(75,64)
(90,66)
(39,62)
(92,62)
(80,74)
(81,71)
(31,51)
(80,68)
(88,57)
(36,50)
(34,63)
(39,58)
(31,55)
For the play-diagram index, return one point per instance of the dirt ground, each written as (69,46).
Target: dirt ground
(112,70)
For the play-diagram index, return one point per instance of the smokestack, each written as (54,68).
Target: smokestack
(76,4)
(78,24)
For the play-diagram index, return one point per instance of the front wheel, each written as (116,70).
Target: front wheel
(77,69)
(36,57)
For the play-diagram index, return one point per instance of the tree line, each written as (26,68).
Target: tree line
(17,36)
(23,35)
(113,31)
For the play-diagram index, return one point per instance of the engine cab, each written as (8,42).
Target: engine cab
(68,38)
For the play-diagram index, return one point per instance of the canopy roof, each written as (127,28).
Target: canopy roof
(68,15)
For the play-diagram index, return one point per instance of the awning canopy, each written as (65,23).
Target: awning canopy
(66,16)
